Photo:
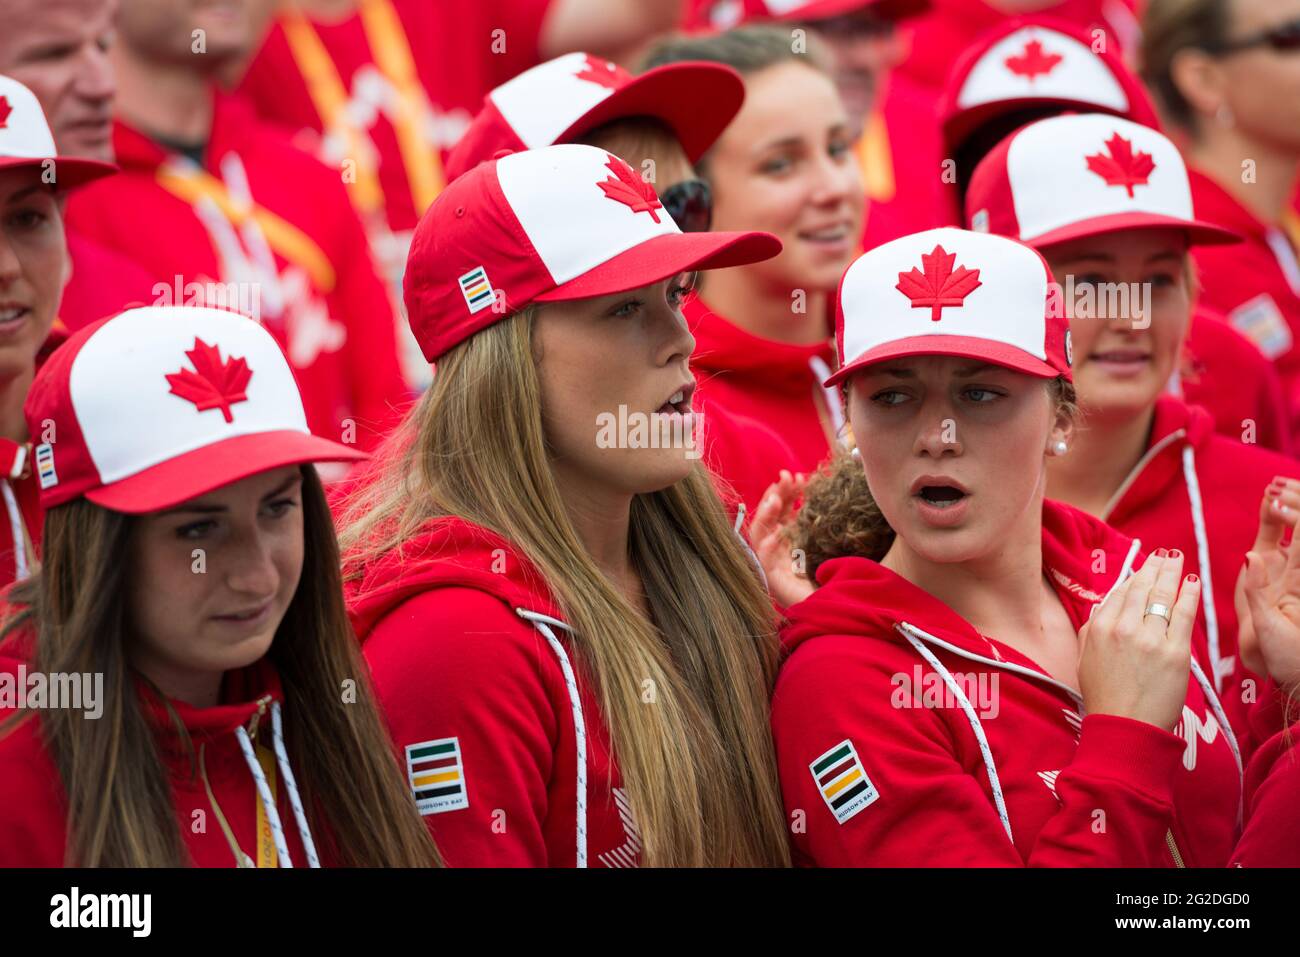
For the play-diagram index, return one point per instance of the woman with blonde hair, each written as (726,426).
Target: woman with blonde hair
(572,647)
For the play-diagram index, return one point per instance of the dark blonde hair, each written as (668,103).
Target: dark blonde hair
(840,518)
(699,766)
(119,796)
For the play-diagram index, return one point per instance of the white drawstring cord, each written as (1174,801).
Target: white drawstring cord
(264,793)
(1203,560)
(833,408)
(295,802)
(989,767)
(16,529)
(1213,699)
(543,624)
(753,555)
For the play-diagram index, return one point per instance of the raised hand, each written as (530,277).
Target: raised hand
(769,534)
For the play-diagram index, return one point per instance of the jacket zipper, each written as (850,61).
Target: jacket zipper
(1173,848)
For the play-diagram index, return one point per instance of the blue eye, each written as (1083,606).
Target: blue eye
(888,397)
(988,395)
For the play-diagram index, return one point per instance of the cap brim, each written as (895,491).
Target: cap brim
(963,123)
(968,347)
(210,467)
(696,100)
(665,256)
(69,173)
(1198,233)
(824,9)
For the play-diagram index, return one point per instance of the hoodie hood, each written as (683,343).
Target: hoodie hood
(447,553)
(858,596)
(721,346)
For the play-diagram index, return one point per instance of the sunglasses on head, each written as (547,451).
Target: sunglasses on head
(1284,38)
(690,204)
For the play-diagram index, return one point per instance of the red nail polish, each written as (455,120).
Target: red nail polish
(1161,553)
(1192,579)
(1176,554)
(1274,491)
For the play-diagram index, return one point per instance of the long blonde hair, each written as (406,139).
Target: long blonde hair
(685,696)
(119,797)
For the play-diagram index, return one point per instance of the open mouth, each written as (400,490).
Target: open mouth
(941,496)
(10,314)
(830,235)
(679,402)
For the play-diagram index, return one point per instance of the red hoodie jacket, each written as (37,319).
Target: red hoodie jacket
(1229,377)
(507,753)
(33,802)
(1007,770)
(1272,834)
(776,383)
(1255,283)
(1193,482)
(301,252)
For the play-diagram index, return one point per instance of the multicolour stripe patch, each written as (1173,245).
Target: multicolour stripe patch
(437,775)
(477,290)
(842,781)
(45,465)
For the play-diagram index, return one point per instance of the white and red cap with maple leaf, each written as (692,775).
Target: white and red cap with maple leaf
(1030,62)
(951,292)
(26,140)
(562,222)
(561,100)
(155,406)
(1080,175)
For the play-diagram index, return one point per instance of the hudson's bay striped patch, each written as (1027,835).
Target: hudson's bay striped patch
(477,290)
(842,781)
(437,775)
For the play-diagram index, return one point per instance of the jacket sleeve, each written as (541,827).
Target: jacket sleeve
(455,663)
(931,807)
(1272,834)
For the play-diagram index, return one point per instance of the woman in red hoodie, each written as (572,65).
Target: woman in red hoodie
(34,268)
(572,647)
(1147,463)
(978,680)
(176,663)
(785,165)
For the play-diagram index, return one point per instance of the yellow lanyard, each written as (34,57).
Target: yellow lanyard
(391,53)
(266,855)
(192,184)
(875,159)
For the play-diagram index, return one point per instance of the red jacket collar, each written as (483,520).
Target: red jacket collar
(1215,204)
(722,346)
(233,121)
(1176,426)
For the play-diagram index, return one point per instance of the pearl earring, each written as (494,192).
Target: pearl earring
(1059,448)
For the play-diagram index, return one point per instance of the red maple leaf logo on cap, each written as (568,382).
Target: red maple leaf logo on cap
(1032,62)
(213,384)
(1122,167)
(629,189)
(939,285)
(5,110)
(603,73)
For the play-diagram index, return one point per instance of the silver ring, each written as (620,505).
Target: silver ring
(1155,608)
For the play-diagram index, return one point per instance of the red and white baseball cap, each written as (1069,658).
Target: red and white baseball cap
(1030,62)
(951,292)
(155,406)
(26,140)
(1082,174)
(562,222)
(561,100)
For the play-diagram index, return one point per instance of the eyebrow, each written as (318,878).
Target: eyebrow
(34,188)
(1107,258)
(798,140)
(213,509)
